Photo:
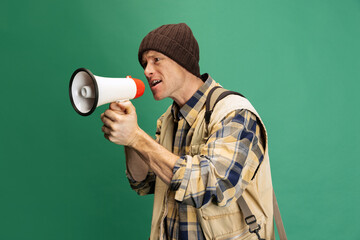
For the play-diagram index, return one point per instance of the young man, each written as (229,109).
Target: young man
(197,171)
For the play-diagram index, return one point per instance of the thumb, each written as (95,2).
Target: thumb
(114,106)
(126,107)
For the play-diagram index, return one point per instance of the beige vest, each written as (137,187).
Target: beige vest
(220,222)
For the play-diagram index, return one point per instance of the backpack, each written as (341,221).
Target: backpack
(216,94)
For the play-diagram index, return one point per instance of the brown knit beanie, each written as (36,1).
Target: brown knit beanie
(175,41)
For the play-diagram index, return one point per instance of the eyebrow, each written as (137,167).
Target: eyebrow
(152,55)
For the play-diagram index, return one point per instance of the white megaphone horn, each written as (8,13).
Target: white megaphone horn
(88,91)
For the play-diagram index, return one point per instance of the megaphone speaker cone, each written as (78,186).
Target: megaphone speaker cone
(87,91)
(84,92)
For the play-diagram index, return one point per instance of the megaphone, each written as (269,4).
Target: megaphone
(87,91)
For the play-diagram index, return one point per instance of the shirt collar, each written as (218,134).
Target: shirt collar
(192,107)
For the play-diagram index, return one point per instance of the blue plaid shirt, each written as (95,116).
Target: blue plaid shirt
(211,177)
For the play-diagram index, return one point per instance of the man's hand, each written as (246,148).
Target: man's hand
(120,123)
(121,127)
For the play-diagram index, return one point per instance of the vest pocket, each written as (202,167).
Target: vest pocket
(242,234)
(225,223)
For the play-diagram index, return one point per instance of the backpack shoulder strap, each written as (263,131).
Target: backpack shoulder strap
(215,95)
(278,220)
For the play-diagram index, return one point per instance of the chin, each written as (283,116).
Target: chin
(158,98)
(159,95)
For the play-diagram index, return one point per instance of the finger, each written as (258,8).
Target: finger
(126,106)
(103,117)
(114,106)
(106,130)
(109,116)
(107,122)
(106,136)
(110,138)
(112,115)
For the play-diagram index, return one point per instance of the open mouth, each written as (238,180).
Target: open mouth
(155,82)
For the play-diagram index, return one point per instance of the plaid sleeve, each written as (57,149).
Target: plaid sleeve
(225,165)
(145,187)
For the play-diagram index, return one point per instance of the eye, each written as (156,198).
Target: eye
(156,59)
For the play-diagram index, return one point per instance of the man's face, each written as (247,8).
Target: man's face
(164,75)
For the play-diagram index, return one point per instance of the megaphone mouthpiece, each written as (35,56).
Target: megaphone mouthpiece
(140,87)
(87,91)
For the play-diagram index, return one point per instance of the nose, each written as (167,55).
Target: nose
(149,70)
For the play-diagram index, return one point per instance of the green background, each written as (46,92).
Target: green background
(297,61)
